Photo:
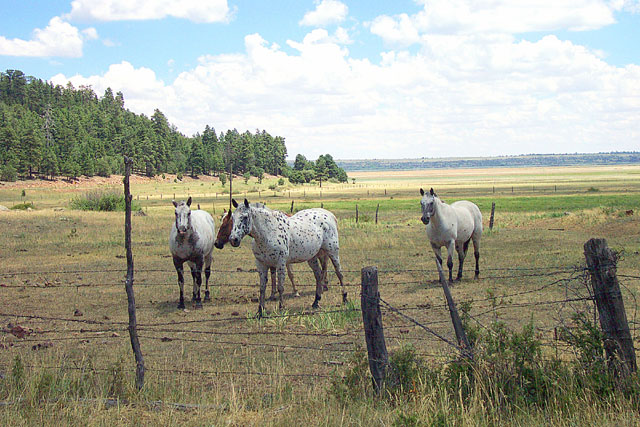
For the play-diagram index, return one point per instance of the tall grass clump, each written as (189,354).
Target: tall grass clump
(510,377)
(106,201)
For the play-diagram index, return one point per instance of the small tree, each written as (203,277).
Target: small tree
(246,177)
(223,178)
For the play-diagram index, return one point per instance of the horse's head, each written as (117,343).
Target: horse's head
(224,231)
(183,215)
(428,204)
(241,222)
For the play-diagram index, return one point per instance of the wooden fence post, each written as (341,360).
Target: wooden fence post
(377,209)
(601,262)
(373,331)
(461,336)
(133,327)
(356,214)
(493,210)
(291,207)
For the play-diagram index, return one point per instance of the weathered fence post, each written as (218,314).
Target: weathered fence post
(133,327)
(377,209)
(601,262)
(291,207)
(461,336)
(356,214)
(373,332)
(493,211)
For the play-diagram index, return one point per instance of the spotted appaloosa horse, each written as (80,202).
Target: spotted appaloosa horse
(452,226)
(223,238)
(279,240)
(191,240)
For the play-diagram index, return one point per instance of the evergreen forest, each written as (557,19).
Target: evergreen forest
(48,130)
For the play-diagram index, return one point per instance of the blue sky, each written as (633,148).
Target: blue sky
(357,79)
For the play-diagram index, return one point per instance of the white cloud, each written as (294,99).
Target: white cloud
(481,94)
(494,16)
(326,12)
(117,10)
(143,91)
(59,38)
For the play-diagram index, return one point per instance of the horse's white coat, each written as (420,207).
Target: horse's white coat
(191,240)
(452,226)
(280,240)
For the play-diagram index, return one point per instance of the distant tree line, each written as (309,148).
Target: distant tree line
(52,130)
(323,169)
(525,160)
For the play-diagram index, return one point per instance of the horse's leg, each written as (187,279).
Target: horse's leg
(293,282)
(207,273)
(263,273)
(272,297)
(462,254)
(317,272)
(323,263)
(476,253)
(335,260)
(437,250)
(450,250)
(178,264)
(199,263)
(281,275)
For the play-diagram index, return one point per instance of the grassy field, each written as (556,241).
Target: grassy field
(65,270)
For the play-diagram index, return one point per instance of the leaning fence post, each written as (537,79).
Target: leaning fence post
(377,209)
(373,332)
(601,262)
(461,335)
(133,327)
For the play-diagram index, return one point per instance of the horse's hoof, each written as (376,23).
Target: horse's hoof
(344,298)
(260,313)
(325,287)
(297,294)
(207,297)
(458,279)
(272,298)
(181,306)
(315,306)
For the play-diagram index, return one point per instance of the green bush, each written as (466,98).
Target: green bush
(23,206)
(101,201)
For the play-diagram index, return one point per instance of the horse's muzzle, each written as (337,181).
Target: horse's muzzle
(234,242)
(218,244)
(425,220)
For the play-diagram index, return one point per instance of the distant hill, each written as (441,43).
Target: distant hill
(527,160)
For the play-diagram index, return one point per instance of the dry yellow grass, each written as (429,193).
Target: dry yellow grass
(278,371)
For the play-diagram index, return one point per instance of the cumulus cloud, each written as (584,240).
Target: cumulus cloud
(142,89)
(59,38)
(326,12)
(494,16)
(118,10)
(479,94)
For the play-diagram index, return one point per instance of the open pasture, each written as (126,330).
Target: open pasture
(62,275)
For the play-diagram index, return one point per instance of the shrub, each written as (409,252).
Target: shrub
(23,206)
(281,181)
(101,201)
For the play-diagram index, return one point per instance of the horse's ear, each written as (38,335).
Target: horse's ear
(189,201)
(421,192)
(175,204)
(224,211)
(234,203)
(246,203)
(432,192)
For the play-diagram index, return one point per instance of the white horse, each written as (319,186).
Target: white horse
(452,226)
(280,240)
(191,240)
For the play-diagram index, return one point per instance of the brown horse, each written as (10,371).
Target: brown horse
(223,237)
